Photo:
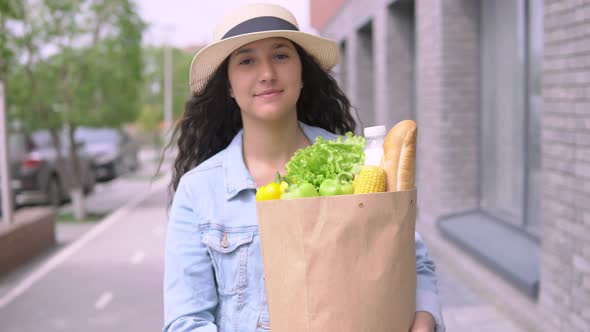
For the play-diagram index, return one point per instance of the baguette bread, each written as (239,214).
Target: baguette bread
(399,156)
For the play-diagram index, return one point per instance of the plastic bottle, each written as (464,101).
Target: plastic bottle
(374,148)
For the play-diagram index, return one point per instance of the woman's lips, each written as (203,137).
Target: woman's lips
(269,94)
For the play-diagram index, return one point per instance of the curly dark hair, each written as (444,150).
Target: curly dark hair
(212,118)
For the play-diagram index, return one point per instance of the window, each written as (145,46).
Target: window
(511,51)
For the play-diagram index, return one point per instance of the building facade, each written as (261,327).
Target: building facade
(500,91)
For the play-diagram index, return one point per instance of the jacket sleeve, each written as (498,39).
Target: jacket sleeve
(427,285)
(190,295)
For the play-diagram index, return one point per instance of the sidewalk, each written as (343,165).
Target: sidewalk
(108,279)
(466,311)
(474,298)
(105,200)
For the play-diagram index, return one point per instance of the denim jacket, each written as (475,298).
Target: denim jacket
(213,279)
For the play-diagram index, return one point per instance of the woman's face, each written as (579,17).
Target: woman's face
(265,78)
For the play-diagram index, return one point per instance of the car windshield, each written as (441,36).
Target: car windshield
(88,135)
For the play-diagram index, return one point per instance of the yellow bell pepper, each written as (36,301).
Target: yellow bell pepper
(272,190)
(269,192)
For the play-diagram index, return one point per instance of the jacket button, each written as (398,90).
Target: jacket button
(225,242)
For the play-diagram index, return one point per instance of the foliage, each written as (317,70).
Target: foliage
(9,12)
(81,64)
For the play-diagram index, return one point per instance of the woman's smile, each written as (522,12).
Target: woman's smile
(268,94)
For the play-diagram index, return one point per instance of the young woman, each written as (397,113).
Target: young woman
(259,92)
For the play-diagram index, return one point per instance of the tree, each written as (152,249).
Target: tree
(92,78)
(9,11)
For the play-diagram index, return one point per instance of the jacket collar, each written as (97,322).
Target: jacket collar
(236,175)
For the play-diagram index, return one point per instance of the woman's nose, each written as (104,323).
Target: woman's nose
(267,71)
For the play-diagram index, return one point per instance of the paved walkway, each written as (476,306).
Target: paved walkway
(474,298)
(108,279)
(466,311)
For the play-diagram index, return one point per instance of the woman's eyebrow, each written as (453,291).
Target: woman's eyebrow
(251,50)
(243,51)
(281,45)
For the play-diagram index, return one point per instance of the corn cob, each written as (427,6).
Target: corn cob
(371,179)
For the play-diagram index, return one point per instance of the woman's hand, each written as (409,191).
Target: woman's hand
(423,322)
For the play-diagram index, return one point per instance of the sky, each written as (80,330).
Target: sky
(191,22)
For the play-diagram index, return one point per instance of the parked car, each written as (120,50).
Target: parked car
(35,170)
(112,151)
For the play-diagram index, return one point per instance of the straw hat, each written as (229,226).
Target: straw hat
(252,23)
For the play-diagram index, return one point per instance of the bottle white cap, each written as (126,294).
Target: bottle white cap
(375,131)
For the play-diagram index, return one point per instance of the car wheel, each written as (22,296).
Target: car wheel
(114,170)
(54,194)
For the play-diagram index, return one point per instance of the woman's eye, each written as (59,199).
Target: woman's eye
(281,56)
(246,62)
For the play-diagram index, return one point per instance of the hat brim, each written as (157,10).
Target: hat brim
(208,59)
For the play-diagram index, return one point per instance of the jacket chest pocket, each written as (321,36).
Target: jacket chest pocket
(229,252)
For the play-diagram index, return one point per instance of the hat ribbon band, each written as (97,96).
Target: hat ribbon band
(259,24)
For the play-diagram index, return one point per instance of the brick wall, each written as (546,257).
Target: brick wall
(354,78)
(362,66)
(359,65)
(393,31)
(322,10)
(565,273)
(447,106)
(447,88)
(428,103)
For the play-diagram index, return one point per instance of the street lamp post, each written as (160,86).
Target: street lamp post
(4,163)
(167,32)
(167,87)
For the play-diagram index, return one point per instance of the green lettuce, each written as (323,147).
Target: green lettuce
(325,159)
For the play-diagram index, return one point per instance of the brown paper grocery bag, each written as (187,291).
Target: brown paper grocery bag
(340,263)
